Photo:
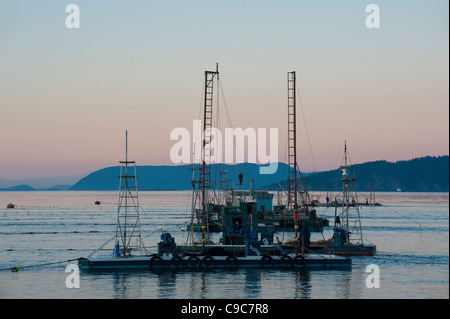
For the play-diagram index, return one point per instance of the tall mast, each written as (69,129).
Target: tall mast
(346,190)
(350,203)
(126,191)
(194,194)
(205,172)
(292,153)
(128,231)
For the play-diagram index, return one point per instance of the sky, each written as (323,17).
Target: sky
(67,95)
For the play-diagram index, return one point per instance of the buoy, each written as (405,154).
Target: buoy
(176,262)
(286,261)
(299,261)
(231,261)
(193,262)
(266,260)
(156,261)
(208,262)
(97,202)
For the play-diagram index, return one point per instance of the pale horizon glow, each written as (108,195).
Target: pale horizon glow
(68,95)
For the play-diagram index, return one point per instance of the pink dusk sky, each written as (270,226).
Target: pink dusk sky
(68,95)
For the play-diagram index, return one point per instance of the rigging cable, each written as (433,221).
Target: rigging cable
(16,268)
(306,127)
(238,153)
(420,225)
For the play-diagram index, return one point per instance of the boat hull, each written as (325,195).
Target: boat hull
(211,262)
(344,250)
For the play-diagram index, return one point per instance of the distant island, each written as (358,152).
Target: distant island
(28,188)
(167,177)
(425,174)
(40,183)
(18,188)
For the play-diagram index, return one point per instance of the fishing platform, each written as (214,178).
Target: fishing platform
(250,255)
(156,262)
(242,245)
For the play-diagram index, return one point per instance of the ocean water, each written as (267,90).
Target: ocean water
(47,229)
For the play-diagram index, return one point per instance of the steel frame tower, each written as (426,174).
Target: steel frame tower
(292,144)
(205,172)
(128,230)
(292,153)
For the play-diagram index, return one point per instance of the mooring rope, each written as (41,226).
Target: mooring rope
(420,225)
(16,268)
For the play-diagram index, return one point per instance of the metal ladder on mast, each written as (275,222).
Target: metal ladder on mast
(205,182)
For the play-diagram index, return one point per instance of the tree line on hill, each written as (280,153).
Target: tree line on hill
(425,174)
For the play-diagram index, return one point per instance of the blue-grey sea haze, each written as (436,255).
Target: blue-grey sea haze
(410,231)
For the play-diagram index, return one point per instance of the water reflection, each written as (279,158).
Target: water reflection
(167,284)
(303,284)
(225,284)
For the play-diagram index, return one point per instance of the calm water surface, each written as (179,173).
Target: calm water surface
(410,230)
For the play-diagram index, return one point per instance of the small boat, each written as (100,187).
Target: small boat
(10,205)
(347,232)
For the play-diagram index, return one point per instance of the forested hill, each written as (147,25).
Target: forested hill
(425,174)
(178,177)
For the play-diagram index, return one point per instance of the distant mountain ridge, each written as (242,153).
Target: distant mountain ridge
(178,177)
(28,188)
(18,188)
(61,182)
(424,174)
